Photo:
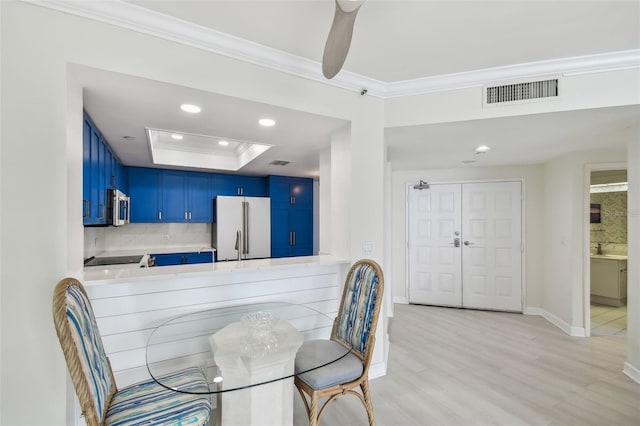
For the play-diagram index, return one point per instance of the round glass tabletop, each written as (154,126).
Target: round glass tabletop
(237,347)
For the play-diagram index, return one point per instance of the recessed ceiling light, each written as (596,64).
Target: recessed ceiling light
(481,149)
(223,143)
(177,137)
(267,122)
(194,109)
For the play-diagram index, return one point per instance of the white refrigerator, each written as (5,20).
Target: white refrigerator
(241,227)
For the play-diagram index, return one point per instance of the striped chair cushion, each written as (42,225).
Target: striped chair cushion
(93,360)
(354,321)
(148,403)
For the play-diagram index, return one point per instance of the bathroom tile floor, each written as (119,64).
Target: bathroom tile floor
(608,320)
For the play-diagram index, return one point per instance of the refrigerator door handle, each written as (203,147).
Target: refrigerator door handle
(245,225)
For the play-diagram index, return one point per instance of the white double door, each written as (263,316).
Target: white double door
(465,245)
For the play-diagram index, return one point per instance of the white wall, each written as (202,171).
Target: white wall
(633,275)
(324,199)
(533,187)
(340,192)
(38,44)
(577,92)
(565,242)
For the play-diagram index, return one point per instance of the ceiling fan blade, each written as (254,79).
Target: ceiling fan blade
(339,39)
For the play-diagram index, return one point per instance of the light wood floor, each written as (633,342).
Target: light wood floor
(608,320)
(465,367)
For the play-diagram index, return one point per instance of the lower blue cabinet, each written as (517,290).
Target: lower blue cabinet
(191,258)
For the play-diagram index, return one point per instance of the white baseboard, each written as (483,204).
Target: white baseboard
(379,369)
(402,300)
(532,311)
(553,319)
(632,372)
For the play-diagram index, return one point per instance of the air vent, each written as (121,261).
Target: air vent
(279,163)
(522,91)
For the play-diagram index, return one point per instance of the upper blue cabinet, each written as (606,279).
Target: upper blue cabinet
(248,186)
(175,196)
(291,216)
(170,196)
(101,170)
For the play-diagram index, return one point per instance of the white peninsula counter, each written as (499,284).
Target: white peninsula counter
(129,301)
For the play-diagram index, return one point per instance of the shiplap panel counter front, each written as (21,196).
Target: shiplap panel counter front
(130,302)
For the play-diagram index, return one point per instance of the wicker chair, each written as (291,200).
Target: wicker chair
(101,402)
(354,329)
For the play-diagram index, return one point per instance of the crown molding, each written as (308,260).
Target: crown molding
(146,21)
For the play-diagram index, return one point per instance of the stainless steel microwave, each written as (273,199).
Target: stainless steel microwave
(118,208)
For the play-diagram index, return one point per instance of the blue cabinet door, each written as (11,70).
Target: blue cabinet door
(225,185)
(302,193)
(94,200)
(291,216)
(248,186)
(86,172)
(252,186)
(302,225)
(199,199)
(281,237)
(169,259)
(174,185)
(145,194)
(100,170)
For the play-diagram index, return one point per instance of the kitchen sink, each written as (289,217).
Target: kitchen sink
(112,260)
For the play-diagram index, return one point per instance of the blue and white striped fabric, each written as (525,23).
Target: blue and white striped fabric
(145,403)
(93,360)
(148,403)
(354,321)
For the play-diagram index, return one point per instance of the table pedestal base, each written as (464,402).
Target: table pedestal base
(243,361)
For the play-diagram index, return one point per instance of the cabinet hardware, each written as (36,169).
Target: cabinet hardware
(186,216)
(290,238)
(294,238)
(85,205)
(189,215)
(102,211)
(159,215)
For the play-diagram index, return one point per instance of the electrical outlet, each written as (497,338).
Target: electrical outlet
(367,247)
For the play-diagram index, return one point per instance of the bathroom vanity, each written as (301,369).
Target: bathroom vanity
(609,280)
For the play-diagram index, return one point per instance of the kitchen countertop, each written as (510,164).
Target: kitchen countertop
(610,256)
(96,275)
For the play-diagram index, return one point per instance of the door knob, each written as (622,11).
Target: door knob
(467,243)
(456,242)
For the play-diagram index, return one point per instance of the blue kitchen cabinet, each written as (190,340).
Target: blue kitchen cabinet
(169,196)
(168,259)
(99,172)
(291,216)
(199,198)
(248,186)
(186,197)
(86,171)
(145,193)
(174,207)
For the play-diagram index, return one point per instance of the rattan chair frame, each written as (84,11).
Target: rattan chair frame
(72,357)
(314,396)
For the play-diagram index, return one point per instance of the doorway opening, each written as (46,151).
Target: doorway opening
(608,252)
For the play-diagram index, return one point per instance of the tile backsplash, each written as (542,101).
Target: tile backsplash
(146,236)
(612,231)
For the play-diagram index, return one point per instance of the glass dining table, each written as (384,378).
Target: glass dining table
(247,353)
